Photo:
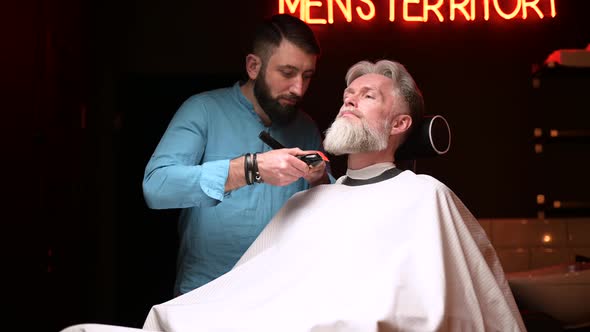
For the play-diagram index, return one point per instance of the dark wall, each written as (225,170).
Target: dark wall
(476,74)
(85,245)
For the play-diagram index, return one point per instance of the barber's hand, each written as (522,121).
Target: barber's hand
(316,174)
(281,167)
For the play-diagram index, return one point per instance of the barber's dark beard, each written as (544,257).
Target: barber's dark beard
(278,113)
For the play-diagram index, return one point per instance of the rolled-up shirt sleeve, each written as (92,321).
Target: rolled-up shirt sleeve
(174,177)
(214,177)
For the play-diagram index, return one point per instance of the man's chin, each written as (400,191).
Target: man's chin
(348,117)
(288,103)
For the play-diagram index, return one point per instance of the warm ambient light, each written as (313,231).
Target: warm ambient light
(547,238)
(323,11)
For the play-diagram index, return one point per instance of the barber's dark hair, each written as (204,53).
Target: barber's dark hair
(273,30)
(404,84)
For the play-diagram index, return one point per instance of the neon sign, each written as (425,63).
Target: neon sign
(327,11)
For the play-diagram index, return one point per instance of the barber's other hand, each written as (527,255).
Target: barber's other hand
(281,167)
(316,174)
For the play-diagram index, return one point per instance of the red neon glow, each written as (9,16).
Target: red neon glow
(407,17)
(346,9)
(453,7)
(308,18)
(371,13)
(328,11)
(503,14)
(434,8)
(533,5)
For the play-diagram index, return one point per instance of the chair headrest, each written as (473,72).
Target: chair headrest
(432,138)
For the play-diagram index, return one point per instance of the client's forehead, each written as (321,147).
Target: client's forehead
(370,81)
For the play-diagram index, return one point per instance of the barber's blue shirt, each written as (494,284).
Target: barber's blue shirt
(189,169)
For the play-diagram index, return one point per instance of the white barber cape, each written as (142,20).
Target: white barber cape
(402,254)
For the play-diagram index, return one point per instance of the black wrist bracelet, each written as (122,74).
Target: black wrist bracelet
(248,168)
(250,172)
(257,177)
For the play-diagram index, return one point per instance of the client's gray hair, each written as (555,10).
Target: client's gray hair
(404,85)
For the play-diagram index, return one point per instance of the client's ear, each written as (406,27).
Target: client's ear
(400,124)
(253,65)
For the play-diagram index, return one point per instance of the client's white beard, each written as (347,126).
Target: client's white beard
(345,137)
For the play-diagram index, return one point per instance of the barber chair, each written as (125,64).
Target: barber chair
(431,138)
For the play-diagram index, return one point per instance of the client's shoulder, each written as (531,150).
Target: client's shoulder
(426,181)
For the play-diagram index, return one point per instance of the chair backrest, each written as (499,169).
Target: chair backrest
(432,138)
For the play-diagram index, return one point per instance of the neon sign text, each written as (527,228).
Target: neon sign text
(327,11)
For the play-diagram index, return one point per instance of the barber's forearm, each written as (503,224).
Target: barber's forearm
(236,176)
